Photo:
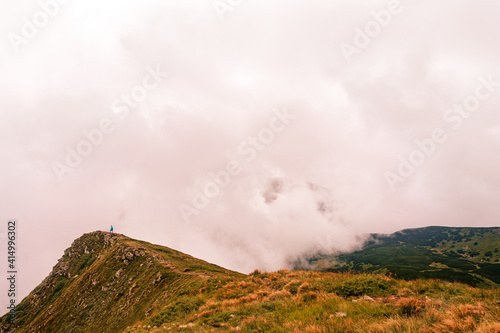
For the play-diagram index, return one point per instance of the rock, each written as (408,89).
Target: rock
(62,269)
(138,253)
(158,278)
(109,240)
(119,272)
(364,298)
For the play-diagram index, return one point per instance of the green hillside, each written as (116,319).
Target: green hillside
(110,283)
(105,282)
(467,255)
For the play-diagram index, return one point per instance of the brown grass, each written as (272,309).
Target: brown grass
(287,301)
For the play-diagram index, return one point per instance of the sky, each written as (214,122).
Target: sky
(244,133)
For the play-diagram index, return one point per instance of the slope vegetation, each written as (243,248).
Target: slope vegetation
(110,283)
(105,282)
(467,255)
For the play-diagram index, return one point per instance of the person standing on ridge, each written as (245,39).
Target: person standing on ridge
(111,229)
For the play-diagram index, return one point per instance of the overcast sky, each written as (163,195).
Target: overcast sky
(390,108)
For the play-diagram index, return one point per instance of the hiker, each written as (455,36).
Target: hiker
(111,229)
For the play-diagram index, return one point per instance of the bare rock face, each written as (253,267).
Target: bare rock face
(62,269)
(110,239)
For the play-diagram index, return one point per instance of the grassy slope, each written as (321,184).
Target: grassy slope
(110,283)
(299,301)
(468,255)
(106,282)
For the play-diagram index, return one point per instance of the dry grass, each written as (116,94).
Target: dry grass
(286,301)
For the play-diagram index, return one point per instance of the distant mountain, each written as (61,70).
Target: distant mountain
(467,255)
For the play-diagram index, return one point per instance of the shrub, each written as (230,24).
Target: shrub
(86,260)
(257,273)
(58,287)
(309,297)
(177,310)
(293,286)
(410,307)
(362,285)
(218,318)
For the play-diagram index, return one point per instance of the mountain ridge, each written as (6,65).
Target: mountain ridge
(112,283)
(109,265)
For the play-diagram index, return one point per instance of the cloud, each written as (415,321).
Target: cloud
(226,79)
